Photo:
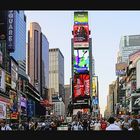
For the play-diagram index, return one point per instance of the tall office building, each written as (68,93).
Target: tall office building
(38,58)
(56,72)
(34,55)
(20,36)
(128,45)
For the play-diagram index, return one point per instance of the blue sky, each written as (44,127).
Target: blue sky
(106,27)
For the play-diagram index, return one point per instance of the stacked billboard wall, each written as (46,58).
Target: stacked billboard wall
(81,59)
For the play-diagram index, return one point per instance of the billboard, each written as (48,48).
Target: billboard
(135,102)
(2,80)
(23,102)
(82,45)
(134,55)
(94,86)
(1,58)
(81,33)
(30,108)
(81,61)
(138,74)
(121,69)
(95,101)
(13,101)
(80,17)
(11,30)
(2,110)
(14,74)
(81,86)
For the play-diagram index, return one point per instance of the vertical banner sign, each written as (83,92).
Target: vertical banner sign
(11,31)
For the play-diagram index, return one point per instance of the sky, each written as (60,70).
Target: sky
(106,27)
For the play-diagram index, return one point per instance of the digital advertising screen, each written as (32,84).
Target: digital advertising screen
(80,17)
(94,86)
(81,61)
(81,86)
(78,45)
(81,33)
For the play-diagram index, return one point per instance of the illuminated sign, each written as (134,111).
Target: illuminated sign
(94,86)
(81,33)
(81,85)
(10,31)
(121,69)
(81,61)
(80,17)
(81,45)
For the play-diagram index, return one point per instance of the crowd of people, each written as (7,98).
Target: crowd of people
(112,123)
(78,123)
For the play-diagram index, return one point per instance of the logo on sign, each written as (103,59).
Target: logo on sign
(10,27)
(137,101)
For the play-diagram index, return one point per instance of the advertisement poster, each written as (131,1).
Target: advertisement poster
(81,85)
(2,110)
(13,101)
(80,17)
(79,45)
(95,101)
(81,33)
(81,61)
(2,80)
(1,58)
(23,102)
(121,69)
(94,86)
(136,102)
(30,108)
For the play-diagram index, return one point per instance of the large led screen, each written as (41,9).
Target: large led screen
(81,61)
(81,86)
(94,86)
(80,17)
(81,33)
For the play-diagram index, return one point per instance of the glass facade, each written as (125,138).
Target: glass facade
(129,45)
(20,36)
(45,62)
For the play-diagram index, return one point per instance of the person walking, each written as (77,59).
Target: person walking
(97,125)
(112,125)
(134,125)
(125,124)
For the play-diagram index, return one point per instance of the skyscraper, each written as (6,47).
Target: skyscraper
(56,72)
(128,45)
(20,36)
(34,55)
(38,58)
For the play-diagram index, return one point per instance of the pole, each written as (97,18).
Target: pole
(113,103)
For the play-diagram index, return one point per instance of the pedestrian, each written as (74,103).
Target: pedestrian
(103,125)
(21,126)
(97,125)
(118,122)
(85,125)
(112,125)
(134,125)
(125,124)
(75,126)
